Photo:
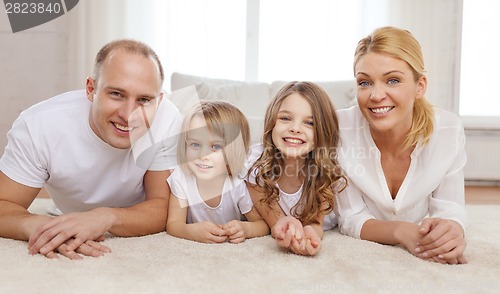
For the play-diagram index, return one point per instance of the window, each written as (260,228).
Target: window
(202,37)
(313,40)
(284,39)
(480,61)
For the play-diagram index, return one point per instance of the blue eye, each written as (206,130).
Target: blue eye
(363,84)
(284,118)
(216,147)
(393,81)
(194,145)
(309,123)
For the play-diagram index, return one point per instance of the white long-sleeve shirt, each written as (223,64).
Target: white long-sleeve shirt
(433,186)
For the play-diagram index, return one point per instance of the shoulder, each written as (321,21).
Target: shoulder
(253,155)
(64,101)
(179,182)
(447,119)
(350,118)
(235,187)
(448,136)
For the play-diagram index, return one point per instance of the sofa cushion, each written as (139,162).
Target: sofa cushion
(342,93)
(250,97)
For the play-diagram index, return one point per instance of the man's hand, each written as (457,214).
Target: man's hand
(88,248)
(71,229)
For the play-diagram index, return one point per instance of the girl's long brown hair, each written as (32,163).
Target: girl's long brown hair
(321,173)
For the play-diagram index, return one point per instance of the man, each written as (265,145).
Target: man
(78,145)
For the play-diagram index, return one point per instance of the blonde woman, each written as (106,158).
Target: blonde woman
(404,159)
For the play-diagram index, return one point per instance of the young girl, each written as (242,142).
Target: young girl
(295,175)
(209,202)
(409,188)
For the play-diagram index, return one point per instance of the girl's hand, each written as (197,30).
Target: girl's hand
(235,231)
(207,232)
(442,239)
(286,229)
(309,245)
(290,234)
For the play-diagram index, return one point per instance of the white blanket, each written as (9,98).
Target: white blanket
(164,264)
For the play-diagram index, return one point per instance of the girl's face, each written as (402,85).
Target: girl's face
(386,92)
(293,133)
(204,151)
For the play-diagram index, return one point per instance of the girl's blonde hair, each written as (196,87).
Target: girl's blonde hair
(322,174)
(401,44)
(222,119)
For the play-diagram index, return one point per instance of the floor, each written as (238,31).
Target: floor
(482,195)
(473,195)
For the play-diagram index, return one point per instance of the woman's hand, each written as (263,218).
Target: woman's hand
(441,240)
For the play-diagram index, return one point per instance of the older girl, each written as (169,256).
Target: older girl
(295,174)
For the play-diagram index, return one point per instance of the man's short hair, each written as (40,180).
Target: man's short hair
(130,46)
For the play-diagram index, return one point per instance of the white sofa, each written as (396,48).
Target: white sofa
(250,97)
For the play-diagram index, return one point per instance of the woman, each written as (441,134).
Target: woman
(404,160)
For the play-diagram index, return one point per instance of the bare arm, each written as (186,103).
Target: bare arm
(256,226)
(144,218)
(392,233)
(147,217)
(238,231)
(270,214)
(205,232)
(15,220)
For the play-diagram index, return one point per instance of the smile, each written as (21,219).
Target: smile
(122,127)
(203,166)
(294,140)
(381,110)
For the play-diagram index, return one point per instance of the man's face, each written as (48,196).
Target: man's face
(125,98)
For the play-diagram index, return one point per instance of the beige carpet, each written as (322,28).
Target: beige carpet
(163,264)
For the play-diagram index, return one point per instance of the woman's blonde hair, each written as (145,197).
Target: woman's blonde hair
(322,174)
(401,44)
(222,119)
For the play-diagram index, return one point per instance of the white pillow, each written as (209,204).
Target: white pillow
(342,93)
(250,98)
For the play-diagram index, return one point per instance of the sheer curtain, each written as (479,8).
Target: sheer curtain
(96,22)
(296,39)
(479,61)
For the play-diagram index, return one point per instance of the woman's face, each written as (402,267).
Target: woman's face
(386,92)
(293,133)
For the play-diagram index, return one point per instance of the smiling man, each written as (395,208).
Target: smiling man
(78,145)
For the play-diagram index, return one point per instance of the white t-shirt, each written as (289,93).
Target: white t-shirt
(235,199)
(52,143)
(286,201)
(434,184)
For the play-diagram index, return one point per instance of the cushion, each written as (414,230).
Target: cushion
(250,97)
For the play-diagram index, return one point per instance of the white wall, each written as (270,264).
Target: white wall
(34,66)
